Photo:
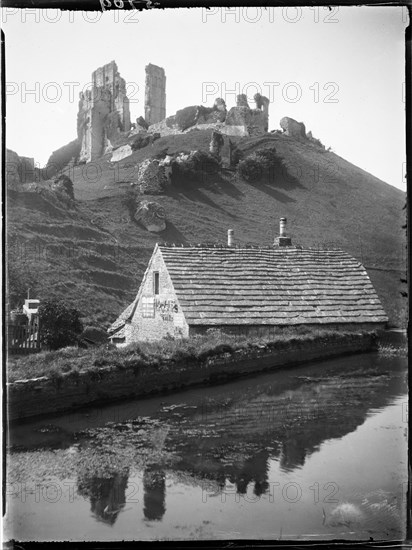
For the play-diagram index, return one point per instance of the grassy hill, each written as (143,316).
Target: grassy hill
(92,253)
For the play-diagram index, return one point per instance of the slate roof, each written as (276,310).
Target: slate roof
(258,286)
(268,286)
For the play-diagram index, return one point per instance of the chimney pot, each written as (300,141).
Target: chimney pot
(282,240)
(282,227)
(230,237)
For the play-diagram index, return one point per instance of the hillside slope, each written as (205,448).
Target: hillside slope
(327,201)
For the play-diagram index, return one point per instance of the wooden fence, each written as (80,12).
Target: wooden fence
(23,339)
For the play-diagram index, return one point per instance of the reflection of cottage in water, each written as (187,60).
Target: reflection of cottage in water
(154,484)
(248,291)
(108,496)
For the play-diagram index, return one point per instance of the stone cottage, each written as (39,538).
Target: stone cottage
(248,291)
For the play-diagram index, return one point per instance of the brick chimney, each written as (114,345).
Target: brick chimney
(230,237)
(282,240)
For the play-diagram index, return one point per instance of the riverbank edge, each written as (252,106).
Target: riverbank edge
(47,395)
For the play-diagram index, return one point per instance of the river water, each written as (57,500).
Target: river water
(313,452)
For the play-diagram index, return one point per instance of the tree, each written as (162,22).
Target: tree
(20,279)
(21,272)
(60,325)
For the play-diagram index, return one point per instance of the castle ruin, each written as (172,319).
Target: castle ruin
(103,113)
(155,94)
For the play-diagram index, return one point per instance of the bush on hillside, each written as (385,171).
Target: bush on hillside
(194,166)
(60,324)
(64,183)
(263,163)
(249,169)
(139,142)
(129,202)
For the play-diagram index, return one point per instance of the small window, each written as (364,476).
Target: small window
(148,306)
(156,283)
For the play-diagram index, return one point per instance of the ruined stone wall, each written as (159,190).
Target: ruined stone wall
(19,170)
(155,94)
(104,113)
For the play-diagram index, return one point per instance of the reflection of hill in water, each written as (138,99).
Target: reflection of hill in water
(233,439)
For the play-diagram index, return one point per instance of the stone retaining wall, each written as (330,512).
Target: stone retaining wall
(27,398)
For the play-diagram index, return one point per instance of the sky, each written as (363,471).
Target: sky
(341,72)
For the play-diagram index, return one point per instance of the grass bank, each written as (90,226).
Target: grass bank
(161,355)
(65,380)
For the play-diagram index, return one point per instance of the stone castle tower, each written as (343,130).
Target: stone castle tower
(103,112)
(155,94)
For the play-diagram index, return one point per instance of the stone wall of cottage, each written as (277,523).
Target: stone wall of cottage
(157,316)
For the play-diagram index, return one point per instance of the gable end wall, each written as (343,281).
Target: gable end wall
(168,315)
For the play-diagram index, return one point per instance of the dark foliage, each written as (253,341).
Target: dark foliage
(129,202)
(143,141)
(249,169)
(66,183)
(60,324)
(195,167)
(20,273)
(140,141)
(263,163)
(19,280)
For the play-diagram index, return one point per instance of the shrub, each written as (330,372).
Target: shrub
(65,183)
(140,141)
(249,169)
(19,278)
(195,166)
(129,202)
(60,324)
(261,163)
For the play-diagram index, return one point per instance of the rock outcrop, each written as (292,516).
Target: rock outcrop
(151,177)
(152,215)
(19,170)
(155,94)
(61,158)
(121,153)
(293,129)
(141,122)
(190,117)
